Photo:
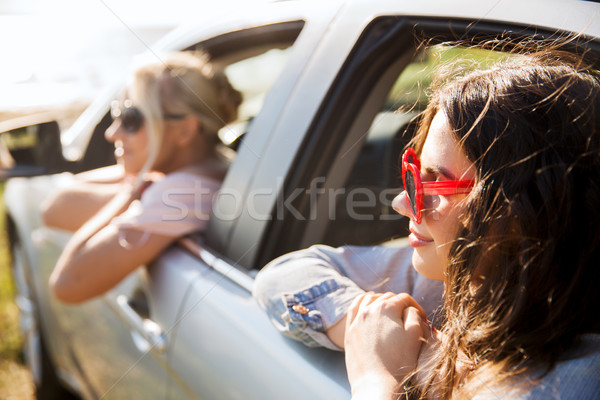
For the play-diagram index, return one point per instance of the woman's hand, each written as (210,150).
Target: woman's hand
(383,338)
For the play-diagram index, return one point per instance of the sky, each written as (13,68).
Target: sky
(59,50)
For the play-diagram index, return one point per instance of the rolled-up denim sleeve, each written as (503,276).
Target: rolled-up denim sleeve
(306,292)
(304,296)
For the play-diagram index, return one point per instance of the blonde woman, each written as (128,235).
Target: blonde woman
(165,135)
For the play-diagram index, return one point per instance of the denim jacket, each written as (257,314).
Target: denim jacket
(308,291)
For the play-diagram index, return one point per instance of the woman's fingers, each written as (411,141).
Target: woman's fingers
(399,301)
(354,307)
(404,301)
(364,300)
(413,323)
(383,338)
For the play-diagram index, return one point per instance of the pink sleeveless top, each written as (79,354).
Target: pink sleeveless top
(178,204)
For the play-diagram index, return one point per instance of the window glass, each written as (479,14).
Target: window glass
(253,77)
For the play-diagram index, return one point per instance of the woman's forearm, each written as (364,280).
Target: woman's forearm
(72,260)
(70,208)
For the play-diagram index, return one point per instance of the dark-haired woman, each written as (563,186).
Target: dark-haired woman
(503,194)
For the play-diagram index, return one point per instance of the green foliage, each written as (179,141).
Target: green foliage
(410,89)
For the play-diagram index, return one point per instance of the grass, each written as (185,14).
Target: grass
(15,379)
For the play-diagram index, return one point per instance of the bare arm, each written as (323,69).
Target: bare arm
(106,175)
(94,261)
(69,208)
(337,332)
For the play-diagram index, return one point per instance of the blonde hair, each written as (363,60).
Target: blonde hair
(183,83)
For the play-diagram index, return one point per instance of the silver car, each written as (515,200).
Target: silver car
(330,89)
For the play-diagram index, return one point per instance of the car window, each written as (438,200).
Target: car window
(359,138)
(411,87)
(253,77)
(252,59)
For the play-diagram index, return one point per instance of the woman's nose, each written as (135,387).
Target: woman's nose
(111,132)
(400,204)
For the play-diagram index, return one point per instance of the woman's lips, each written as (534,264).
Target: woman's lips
(416,240)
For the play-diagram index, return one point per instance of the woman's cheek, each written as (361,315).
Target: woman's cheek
(443,220)
(431,206)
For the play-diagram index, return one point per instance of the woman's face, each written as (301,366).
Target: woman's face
(440,160)
(131,147)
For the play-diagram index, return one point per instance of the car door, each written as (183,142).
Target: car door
(237,352)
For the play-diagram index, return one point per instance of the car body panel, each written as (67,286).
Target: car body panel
(82,339)
(220,321)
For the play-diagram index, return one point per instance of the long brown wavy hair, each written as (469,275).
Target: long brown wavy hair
(523,274)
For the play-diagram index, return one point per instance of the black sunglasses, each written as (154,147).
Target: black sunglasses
(131,117)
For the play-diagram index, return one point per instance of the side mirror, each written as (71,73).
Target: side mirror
(31,150)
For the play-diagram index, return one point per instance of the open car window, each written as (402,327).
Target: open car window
(252,59)
(253,77)
(352,172)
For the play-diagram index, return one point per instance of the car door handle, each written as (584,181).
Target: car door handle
(149,330)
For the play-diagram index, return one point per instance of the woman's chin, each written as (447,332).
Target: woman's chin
(427,262)
(129,167)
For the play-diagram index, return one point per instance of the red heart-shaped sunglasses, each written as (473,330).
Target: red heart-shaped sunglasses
(416,189)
